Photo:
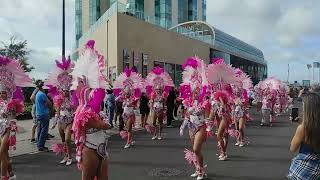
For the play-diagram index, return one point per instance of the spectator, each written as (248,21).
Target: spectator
(307,140)
(170,106)
(291,94)
(250,95)
(144,109)
(110,106)
(42,112)
(33,114)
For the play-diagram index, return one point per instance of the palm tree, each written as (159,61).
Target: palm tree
(17,49)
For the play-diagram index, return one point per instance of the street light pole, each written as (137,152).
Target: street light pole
(63,30)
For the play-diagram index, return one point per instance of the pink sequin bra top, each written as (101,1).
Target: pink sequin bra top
(158,103)
(238,109)
(128,106)
(196,119)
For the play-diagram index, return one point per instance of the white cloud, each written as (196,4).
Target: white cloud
(42,13)
(38,22)
(43,60)
(286,31)
(297,23)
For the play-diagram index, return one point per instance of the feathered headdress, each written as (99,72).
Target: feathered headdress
(89,77)
(128,82)
(12,77)
(193,77)
(244,81)
(271,83)
(221,73)
(158,79)
(91,66)
(60,78)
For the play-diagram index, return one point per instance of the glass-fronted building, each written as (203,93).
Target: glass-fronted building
(149,33)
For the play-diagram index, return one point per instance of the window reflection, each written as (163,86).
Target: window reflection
(256,71)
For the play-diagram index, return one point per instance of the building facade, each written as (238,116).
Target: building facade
(149,33)
(166,13)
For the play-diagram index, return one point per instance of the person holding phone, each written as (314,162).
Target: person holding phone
(306,141)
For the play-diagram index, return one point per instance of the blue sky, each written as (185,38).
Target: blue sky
(287,31)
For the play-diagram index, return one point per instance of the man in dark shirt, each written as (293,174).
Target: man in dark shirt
(170,107)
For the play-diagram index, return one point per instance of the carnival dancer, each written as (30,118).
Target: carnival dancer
(128,87)
(12,77)
(269,93)
(59,83)
(241,103)
(89,82)
(282,105)
(221,76)
(193,91)
(158,84)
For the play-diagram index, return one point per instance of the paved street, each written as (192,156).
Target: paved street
(266,157)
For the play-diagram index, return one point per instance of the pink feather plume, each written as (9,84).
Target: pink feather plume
(16,105)
(217,60)
(192,62)
(123,134)
(58,148)
(150,128)
(233,133)
(190,157)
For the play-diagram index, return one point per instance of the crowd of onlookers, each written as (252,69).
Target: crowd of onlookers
(114,108)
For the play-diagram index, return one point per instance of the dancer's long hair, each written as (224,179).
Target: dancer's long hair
(311,120)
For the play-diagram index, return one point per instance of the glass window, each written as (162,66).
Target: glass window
(111,2)
(94,11)
(192,10)
(170,68)
(145,59)
(158,63)
(78,19)
(126,59)
(178,75)
(204,10)
(163,13)
(137,61)
(181,11)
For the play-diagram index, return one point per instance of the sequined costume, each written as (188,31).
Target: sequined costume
(89,83)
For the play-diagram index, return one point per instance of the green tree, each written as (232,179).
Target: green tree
(17,49)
